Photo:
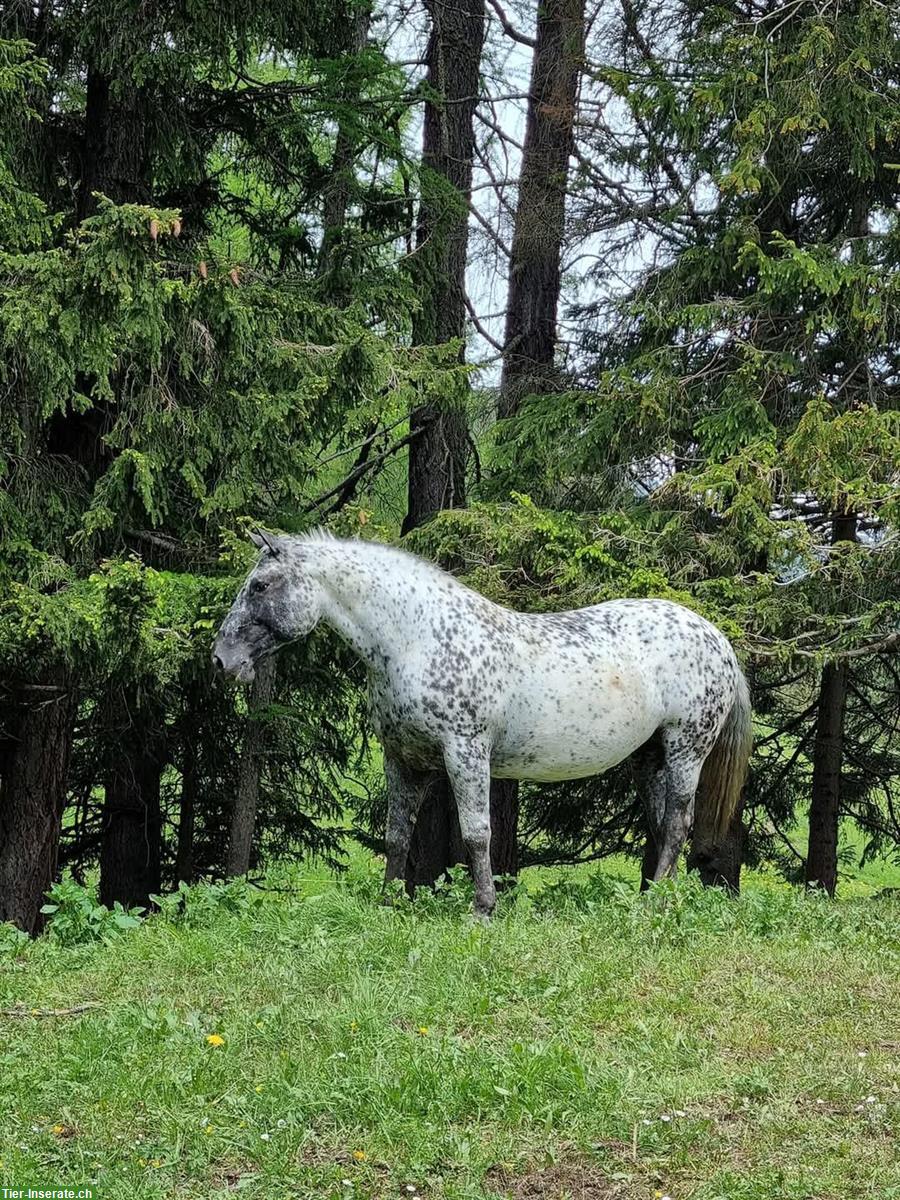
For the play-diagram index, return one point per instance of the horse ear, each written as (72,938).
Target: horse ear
(266,541)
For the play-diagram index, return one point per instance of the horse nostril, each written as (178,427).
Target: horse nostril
(217,662)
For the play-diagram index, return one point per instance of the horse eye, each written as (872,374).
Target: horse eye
(259,585)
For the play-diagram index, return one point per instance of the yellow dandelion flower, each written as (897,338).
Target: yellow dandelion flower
(258,1088)
(142,1162)
(58,1129)
(354,1025)
(259,1024)
(359,1155)
(155,1162)
(215,1039)
(422,1031)
(209,1129)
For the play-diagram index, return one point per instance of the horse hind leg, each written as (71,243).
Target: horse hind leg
(682,774)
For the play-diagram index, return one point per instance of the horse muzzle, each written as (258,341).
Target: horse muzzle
(235,661)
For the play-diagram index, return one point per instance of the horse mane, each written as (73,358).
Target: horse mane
(369,550)
(315,537)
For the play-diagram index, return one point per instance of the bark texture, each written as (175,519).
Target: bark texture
(116,156)
(191,726)
(504,826)
(825,802)
(437,840)
(539,228)
(243,817)
(722,868)
(439,450)
(337,193)
(187,815)
(34,764)
(131,846)
(828,755)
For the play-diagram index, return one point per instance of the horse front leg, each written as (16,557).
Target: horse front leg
(406,790)
(468,766)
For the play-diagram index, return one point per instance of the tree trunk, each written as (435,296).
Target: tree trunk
(439,451)
(194,723)
(336,194)
(437,840)
(535,273)
(828,752)
(825,803)
(539,229)
(32,796)
(187,806)
(243,817)
(723,868)
(116,156)
(116,162)
(131,847)
(504,827)
(187,816)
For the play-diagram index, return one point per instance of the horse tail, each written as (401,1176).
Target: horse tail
(725,770)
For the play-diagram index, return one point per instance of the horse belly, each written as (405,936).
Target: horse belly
(548,743)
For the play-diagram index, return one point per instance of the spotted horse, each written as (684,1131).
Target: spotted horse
(458,682)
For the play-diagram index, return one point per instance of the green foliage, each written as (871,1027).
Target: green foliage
(76,917)
(202,903)
(12,941)
(230,387)
(24,220)
(537,558)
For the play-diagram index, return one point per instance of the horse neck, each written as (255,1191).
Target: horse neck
(372,617)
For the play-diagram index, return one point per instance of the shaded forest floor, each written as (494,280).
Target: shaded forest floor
(590,1044)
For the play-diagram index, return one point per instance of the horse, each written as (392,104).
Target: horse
(459,683)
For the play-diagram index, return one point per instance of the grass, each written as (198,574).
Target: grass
(590,1044)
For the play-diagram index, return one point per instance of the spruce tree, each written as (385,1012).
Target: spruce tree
(173,363)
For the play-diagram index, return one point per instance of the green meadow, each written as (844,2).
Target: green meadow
(589,1044)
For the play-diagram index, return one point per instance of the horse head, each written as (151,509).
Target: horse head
(278,603)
